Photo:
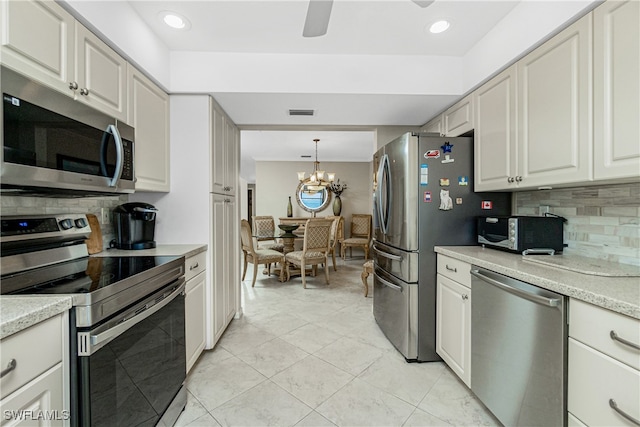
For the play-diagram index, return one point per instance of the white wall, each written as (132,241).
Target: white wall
(276,181)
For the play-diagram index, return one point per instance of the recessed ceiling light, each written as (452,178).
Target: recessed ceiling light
(175,20)
(439,27)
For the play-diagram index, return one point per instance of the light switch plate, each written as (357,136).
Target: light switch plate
(105,216)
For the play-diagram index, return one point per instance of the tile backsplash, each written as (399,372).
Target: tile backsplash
(603,221)
(28,205)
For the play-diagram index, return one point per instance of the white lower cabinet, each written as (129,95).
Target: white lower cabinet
(36,391)
(604,371)
(453,316)
(195,307)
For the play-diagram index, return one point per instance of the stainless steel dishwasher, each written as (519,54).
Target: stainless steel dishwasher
(518,350)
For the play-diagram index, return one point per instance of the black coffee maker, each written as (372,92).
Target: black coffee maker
(135,225)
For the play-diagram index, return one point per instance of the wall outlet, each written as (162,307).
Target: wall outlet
(105,216)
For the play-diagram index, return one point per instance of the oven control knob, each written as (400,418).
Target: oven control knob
(81,222)
(66,224)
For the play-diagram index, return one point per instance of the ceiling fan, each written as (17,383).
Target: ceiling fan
(319,12)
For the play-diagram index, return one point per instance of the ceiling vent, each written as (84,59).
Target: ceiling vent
(301,112)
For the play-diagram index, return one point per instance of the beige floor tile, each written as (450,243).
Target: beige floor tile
(359,404)
(314,419)
(423,419)
(238,339)
(204,421)
(312,380)
(311,337)
(192,411)
(350,355)
(272,357)
(264,405)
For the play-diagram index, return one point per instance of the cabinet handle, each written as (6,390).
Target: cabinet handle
(10,367)
(194,266)
(510,179)
(73,85)
(84,91)
(615,337)
(614,406)
(465,297)
(518,178)
(455,270)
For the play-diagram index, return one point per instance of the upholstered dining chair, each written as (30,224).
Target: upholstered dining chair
(257,256)
(264,229)
(315,249)
(360,234)
(337,233)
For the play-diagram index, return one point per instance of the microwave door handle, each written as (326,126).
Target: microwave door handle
(119,157)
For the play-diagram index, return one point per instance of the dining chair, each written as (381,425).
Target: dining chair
(264,228)
(360,234)
(337,232)
(257,256)
(315,249)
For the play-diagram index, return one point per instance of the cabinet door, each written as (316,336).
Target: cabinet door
(616,90)
(195,318)
(101,75)
(45,55)
(41,397)
(219,131)
(434,126)
(495,132)
(459,118)
(453,326)
(149,115)
(554,109)
(217,253)
(230,154)
(231,274)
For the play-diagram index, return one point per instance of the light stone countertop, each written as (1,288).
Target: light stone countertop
(619,294)
(161,250)
(20,312)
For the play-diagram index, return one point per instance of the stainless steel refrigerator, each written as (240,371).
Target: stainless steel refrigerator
(423,198)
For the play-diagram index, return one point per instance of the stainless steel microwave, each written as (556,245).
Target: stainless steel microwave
(53,143)
(521,233)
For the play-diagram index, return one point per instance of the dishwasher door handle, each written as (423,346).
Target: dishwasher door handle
(550,302)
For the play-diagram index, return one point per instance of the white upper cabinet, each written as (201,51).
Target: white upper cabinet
(101,75)
(225,143)
(434,126)
(458,119)
(555,110)
(47,54)
(149,115)
(495,133)
(63,54)
(617,90)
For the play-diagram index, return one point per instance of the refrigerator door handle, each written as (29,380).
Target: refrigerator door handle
(384,177)
(388,284)
(387,255)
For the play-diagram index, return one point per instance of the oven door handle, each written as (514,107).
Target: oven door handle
(89,343)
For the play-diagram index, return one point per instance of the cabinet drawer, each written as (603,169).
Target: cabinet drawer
(455,270)
(195,265)
(45,336)
(593,325)
(594,379)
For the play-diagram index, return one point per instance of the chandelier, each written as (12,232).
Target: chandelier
(316,181)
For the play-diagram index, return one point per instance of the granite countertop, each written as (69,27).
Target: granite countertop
(619,294)
(20,312)
(161,250)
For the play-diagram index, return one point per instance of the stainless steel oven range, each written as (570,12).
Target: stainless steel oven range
(128,360)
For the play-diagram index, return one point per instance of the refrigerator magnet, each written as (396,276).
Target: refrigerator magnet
(444,182)
(487,204)
(427,197)
(432,154)
(424,174)
(446,204)
(446,148)
(458,200)
(447,159)
(463,180)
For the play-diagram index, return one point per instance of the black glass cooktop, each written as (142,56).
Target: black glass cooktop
(80,276)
